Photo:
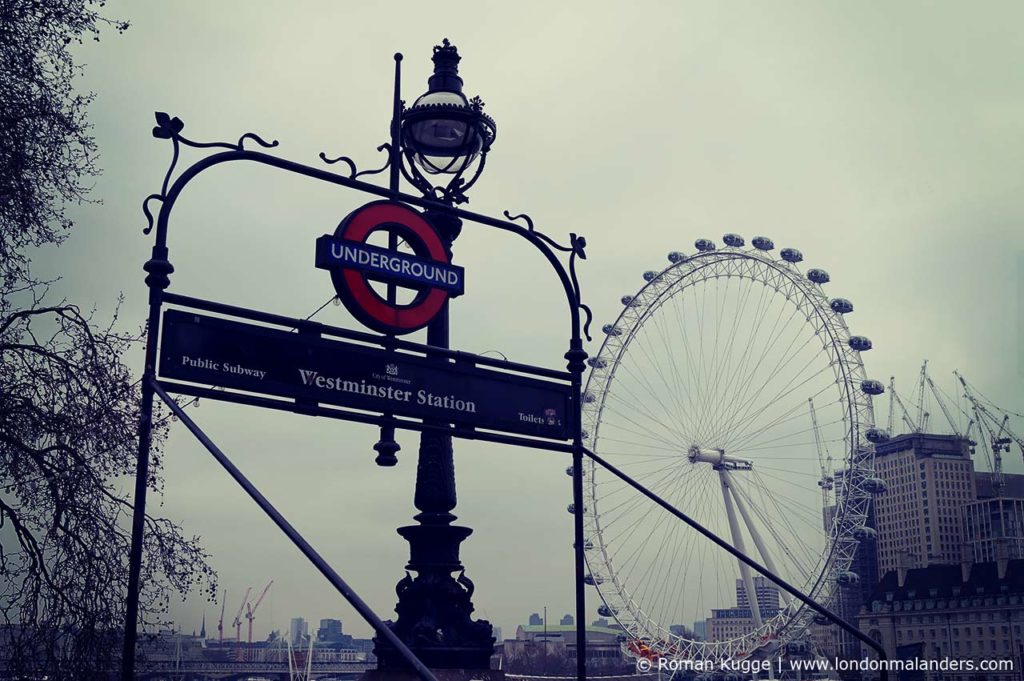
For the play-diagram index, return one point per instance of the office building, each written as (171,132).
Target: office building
(929,479)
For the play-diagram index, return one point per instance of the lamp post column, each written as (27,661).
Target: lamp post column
(441,134)
(434,607)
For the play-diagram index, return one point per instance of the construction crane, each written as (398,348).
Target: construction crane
(996,435)
(237,624)
(220,622)
(922,413)
(942,405)
(894,400)
(827,481)
(250,611)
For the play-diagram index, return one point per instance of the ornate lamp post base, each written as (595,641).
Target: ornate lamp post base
(434,608)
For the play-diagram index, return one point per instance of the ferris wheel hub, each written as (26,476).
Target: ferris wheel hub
(718,459)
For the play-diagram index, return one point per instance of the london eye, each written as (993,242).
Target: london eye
(701,392)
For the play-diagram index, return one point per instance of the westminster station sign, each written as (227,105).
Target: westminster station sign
(264,360)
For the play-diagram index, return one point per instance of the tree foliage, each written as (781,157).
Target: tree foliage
(68,401)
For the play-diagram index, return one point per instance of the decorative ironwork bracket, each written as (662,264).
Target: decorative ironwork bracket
(435,198)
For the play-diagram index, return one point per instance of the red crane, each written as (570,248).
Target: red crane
(220,622)
(237,624)
(250,612)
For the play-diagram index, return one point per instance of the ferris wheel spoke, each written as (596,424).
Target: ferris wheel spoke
(644,432)
(629,512)
(773,443)
(742,396)
(690,362)
(793,510)
(789,545)
(786,391)
(675,535)
(794,412)
(651,392)
(628,505)
(735,366)
(680,412)
(749,399)
(674,451)
(688,402)
(632,402)
(634,499)
(700,544)
(643,579)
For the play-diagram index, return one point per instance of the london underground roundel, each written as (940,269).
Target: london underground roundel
(354,263)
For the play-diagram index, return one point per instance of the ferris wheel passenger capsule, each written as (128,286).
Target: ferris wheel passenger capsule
(604,611)
(875,485)
(630,301)
(704,245)
(734,240)
(791,255)
(865,533)
(847,578)
(841,305)
(676,256)
(872,387)
(592,580)
(571,508)
(860,343)
(596,362)
(877,435)
(588,398)
(818,276)
(611,330)
(762,243)
(650,275)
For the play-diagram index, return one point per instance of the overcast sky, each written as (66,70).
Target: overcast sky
(884,140)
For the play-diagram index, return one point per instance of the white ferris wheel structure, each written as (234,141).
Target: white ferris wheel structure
(731,386)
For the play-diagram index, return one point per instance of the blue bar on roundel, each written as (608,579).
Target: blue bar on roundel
(387,265)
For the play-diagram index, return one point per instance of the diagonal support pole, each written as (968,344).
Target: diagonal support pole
(308,551)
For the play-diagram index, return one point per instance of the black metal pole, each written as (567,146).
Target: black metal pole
(387,447)
(159,270)
(576,357)
(739,555)
(308,551)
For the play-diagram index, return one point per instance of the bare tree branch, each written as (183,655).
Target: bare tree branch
(68,402)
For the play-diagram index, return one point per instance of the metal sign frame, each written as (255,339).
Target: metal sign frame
(159,269)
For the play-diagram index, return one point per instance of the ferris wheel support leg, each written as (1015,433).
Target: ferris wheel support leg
(737,541)
(755,535)
(737,497)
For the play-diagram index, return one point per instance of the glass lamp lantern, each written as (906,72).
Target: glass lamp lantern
(443,132)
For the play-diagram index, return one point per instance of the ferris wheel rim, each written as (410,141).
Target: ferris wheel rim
(848,368)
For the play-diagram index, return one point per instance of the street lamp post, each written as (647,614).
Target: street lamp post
(442,135)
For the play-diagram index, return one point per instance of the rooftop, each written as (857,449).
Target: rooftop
(944,579)
(926,445)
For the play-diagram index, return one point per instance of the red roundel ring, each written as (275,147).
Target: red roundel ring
(355,291)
